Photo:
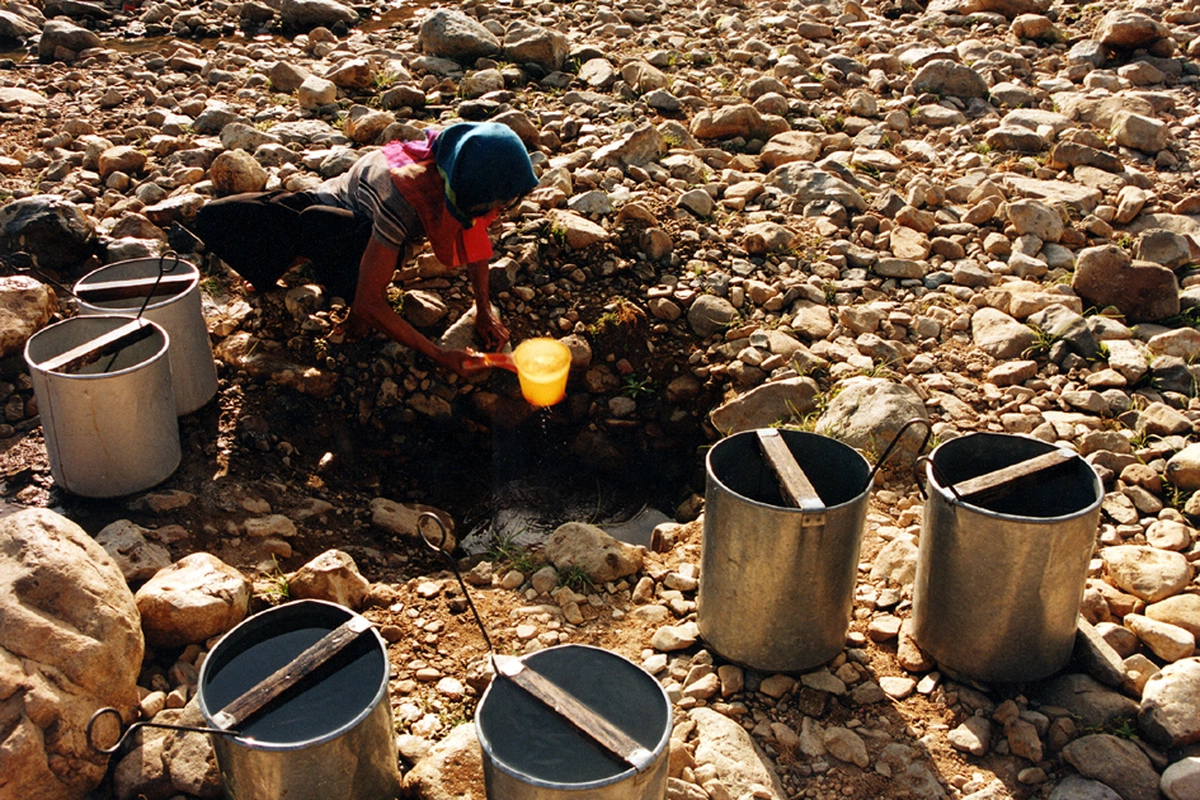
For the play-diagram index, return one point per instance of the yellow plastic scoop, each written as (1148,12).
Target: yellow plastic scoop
(541,366)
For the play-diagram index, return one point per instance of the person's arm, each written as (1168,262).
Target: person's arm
(370,305)
(489,327)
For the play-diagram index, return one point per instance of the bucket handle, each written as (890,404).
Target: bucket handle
(918,472)
(896,440)
(438,547)
(135,726)
(22,263)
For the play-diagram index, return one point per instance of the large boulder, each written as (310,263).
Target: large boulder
(1107,276)
(194,599)
(62,40)
(763,406)
(25,306)
(14,27)
(331,576)
(70,642)
(305,15)
(452,34)
(54,231)
(525,43)
(868,414)
(600,556)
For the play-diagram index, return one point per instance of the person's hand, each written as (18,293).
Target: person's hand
(465,362)
(491,330)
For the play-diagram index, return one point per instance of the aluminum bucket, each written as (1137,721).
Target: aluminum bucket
(999,585)
(194,373)
(532,753)
(777,583)
(110,427)
(330,736)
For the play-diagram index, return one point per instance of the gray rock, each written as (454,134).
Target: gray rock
(54,231)
(236,171)
(1181,780)
(62,40)
(1012,137)
(1093,704)
(1140,132)
(331,576)
(999,335)
(194,599)
(137,558)
(1170,710)
(1167,248)
(525,43)
(868,414)
(806,184)
(14,99)
(946,77)
(908,772)
(70,643)
(14,27)
(974,736)
(305,15)
(1077,787)
(637,149)
(1129,30)
(709,314)
(603,558)
(1146,572)
(738,762)
(25,306)
(453,34)
(896,562)
(1063,324)
(1036,218)
(1182,610)
(453,769)
(1107,276)
(404,519)
(315,92)
(766,405)
(1115,762)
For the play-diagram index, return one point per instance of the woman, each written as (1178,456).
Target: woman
(354,228)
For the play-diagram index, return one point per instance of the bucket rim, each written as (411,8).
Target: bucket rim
(119,320)
(711,474)
(192,269)
(560,786)
(948,497)
(284,747)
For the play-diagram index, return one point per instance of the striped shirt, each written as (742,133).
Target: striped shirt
(367,190)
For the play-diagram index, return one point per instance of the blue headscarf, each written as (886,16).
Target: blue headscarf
(481,163)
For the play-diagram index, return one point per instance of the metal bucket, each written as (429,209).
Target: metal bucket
(110,427)
(193,370)
(329,736)
(532,753)
(999,584)
(776,582)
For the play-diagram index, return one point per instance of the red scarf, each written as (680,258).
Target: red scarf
(416,176)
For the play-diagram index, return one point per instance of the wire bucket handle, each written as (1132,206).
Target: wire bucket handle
(438,530)
(22,263)
(124,737)
(896,440)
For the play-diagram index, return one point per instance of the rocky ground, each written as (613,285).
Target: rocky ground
(830,216)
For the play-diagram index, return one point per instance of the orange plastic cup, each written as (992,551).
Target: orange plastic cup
(542,367)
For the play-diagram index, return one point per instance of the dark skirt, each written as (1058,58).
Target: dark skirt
(261,234)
